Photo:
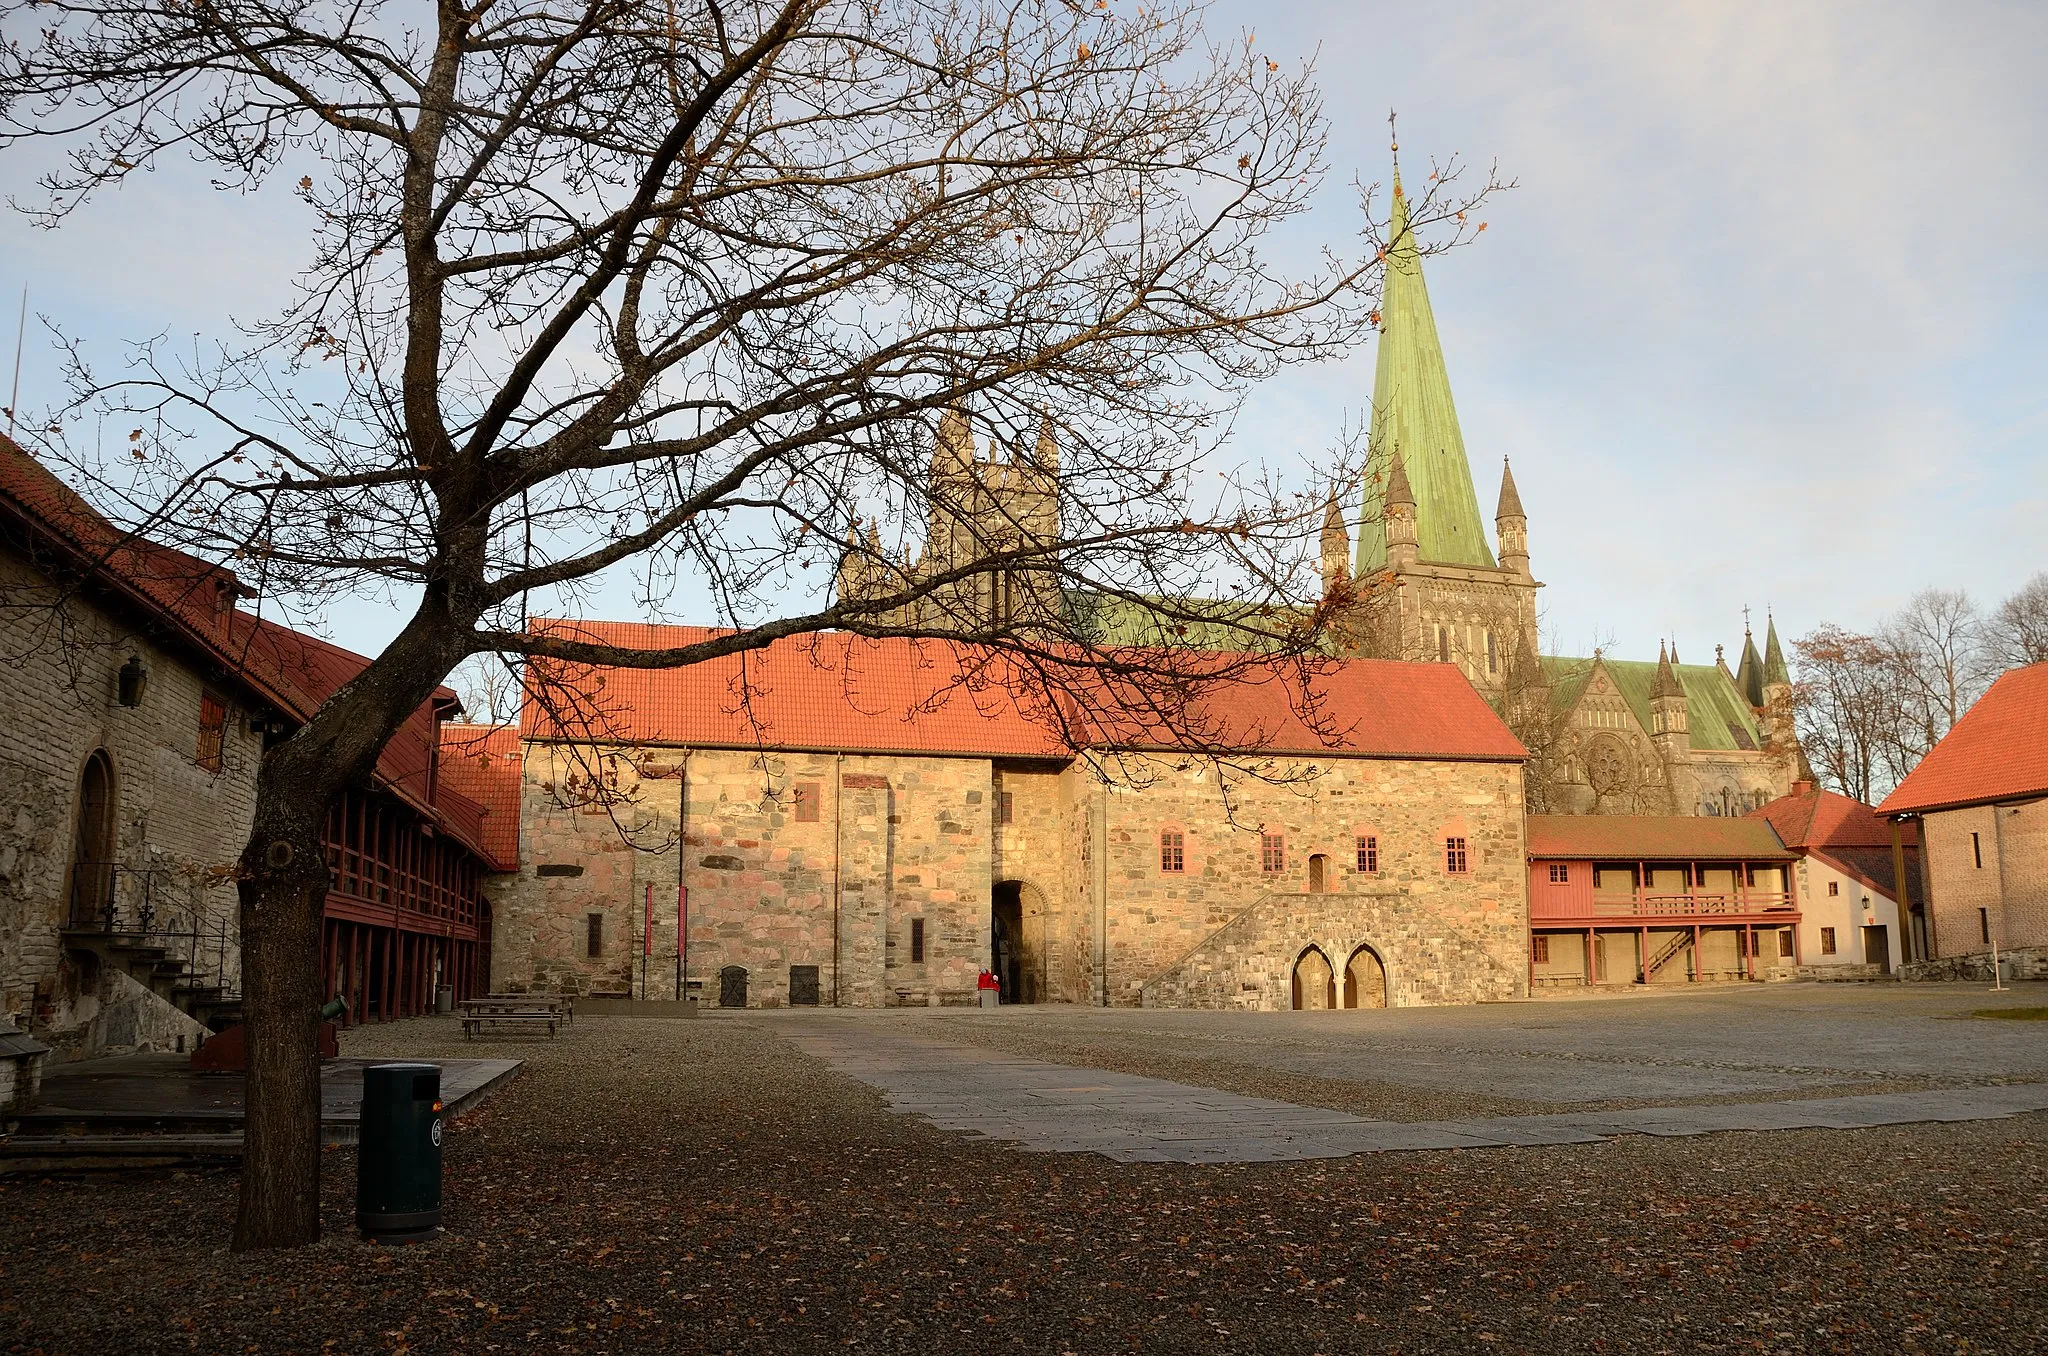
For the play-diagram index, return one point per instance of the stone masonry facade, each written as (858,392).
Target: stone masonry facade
(1987,869)
(177,826)
(868,880)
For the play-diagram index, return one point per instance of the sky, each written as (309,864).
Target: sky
(1764,324)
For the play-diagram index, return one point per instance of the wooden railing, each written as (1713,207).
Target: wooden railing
(1667,903)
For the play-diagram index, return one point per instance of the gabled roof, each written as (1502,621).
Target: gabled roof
(187,603)
(1412,414)
(1633,838)
(1997,751)
(482,763)
(1717,717)
(836,692)
(1820,818)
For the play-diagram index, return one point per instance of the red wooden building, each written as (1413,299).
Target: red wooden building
(1653,899)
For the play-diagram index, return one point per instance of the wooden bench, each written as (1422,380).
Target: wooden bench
(562,1005)
(475,1024)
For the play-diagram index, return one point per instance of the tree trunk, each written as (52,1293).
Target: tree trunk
(283,888)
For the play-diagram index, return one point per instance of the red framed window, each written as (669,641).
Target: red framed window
(1272,852)
(805,796)
(1454,856)
(1539,949)
(213,730)
(1006,807)
(1173,857)
(1369,854)
(1560,873)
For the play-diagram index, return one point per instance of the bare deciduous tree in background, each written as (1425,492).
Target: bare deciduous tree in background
(680,289)
(2017,633)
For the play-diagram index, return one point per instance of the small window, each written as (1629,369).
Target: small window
(1834,888)
(1172,851)
(594,939)
(1006,807)
(1827,941)
(805,796)
(1984,920)
(917,941)
(1272,852)
(1977,851)
(1443,646)
(1454,856)
(1492,656)
(1784,942)
(1539,949)
(1369,854)
(1560,873)
(213,729)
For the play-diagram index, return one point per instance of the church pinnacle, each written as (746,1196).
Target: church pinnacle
(1413,415)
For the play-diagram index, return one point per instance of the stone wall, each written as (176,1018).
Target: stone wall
(1199,937)
(177,827)
(897,847)
(1993,859)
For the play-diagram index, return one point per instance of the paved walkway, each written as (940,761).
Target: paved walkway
(1062,1109)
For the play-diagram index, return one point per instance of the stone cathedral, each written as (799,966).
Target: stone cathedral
(1417,578)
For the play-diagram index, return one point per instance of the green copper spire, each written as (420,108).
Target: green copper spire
(1412,413)
(1749,675)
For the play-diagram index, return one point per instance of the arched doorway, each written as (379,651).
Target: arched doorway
(92,851)
(1365,980)
(1016,920)
(1315,984)
(1318,873)
(732,986)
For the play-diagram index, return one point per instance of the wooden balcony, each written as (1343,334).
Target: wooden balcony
(1662,905)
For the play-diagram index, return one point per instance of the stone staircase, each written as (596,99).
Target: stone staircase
(154,960)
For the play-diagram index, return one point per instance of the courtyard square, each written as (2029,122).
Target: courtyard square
(737,1183)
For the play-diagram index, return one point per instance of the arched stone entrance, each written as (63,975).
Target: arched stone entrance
(1016,920)
(732,986)
(92,851)
(1365,980)
(1315,984)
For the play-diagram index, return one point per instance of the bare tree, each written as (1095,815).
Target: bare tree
(1848,711)
(681,289)
(2017,633)
(1936,647)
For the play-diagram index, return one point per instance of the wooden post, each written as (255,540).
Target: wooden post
(1749,950)
(1592,972)
(1901,893)
(1643,955)
(1697,953)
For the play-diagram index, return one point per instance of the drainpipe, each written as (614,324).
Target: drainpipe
(683,879)
(838,838)
(1102,894)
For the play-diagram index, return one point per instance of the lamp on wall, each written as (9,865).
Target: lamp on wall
(134,681)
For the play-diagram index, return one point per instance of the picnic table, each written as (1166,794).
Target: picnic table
(515,1011)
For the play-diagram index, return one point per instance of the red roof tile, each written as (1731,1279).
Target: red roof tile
(193,601)
(1631,838)
(1997,751)
(1821,818)
(838,692)
(482,764)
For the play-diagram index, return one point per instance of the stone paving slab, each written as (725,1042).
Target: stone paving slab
(1056,1108)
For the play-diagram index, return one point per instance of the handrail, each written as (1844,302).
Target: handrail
(155,918)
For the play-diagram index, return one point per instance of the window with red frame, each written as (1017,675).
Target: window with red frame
(1172,851)
(213,730)
(1369,854)
(1454,856)
(1272,852)
(805,795)
(1560,873)
(1539,949)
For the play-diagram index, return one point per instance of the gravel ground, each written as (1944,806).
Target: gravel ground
(701,1186)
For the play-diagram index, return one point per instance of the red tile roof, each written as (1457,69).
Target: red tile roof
(1632,838)
(482,764)
(833,691)
(1997,751)
(1821,818)
(191,601)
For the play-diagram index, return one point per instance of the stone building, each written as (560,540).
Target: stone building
(873,823)
(1980,802)
(142,699)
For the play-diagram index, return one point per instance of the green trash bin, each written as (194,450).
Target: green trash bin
(398,1161)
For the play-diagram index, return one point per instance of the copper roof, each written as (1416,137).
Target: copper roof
(1634,838)
(1997,751)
